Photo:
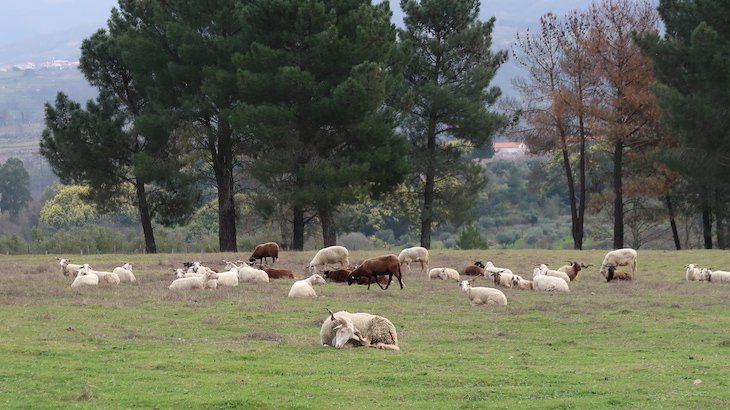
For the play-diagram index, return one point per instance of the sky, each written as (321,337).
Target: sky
(27,25)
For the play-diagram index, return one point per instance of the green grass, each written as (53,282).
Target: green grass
(617,345)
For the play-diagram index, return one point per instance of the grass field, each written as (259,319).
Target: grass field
(604,345)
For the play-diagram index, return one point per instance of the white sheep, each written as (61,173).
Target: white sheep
(104,276)
(414,254)
(502,278)
(193,282)
(444,274)
(84,278)
(519,283)
(716,276)
(125,273)
(330,255)
(482,295)
(545,283)
(251,275)
(556,273)
(228,278)
(344,329)
(181,273)
(68,269)
(694,272)
(305,288)
(619,257)
(489,268)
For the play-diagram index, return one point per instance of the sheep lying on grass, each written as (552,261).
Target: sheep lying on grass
(716,276)
(344,329)
(305,288)
(519,283)
(482,295)
(125,273)
(503,279)
(694,272)
(84,279)
(68,269)
(613,274)
(443,274)
(573,268)
(110,278)
(193,282)
(477,269)
(556,273)
(545,283)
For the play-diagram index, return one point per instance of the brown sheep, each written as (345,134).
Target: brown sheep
(477,269)
(338,275)
(373,267)
(277,273)
(573,268)
(265,250)
(617,275)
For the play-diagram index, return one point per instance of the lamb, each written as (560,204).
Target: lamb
(556,273)
(125,273)
(503,279)
(193,282)
(68,269)
(329,256)
(265,250)
(545,283)
(614,274)
(304,288)
(104,277)
(414,254)
(694,272)
(717,276)
(83,278)
(519,283)
(338,275)
(443,274)
(619,257)
(477,269)
(373,267)
(482,295)
(573,268)
(344,329)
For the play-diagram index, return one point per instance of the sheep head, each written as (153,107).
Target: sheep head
(497,276)
(345,331)
(479,263)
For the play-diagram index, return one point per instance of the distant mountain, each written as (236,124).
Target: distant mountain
(62,45)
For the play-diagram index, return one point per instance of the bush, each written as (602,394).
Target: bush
(355,241)
(11,244)
(469,238)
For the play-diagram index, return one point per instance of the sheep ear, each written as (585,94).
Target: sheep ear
(332,315)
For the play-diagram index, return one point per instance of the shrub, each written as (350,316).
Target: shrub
(469,238)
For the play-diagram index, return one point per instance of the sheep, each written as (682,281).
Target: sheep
(614,274)
(228,278)
(277,273)
(716,276)
(68,269)
(694,272)
(265,250)
(573,268)
(545,283)
(305,288)
(197,267)
(477,269)
(329,255)
(414,254)
(443,274)
(125,273)
(556,273)
(344,329)
(482,295)
(338,275)
(250,274)
(490,268)
(519,283)
(373,267)
(503,279)
(193,282)
(83,278)
(619,257)
(104,277)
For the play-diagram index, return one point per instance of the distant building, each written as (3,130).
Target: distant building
(510,150)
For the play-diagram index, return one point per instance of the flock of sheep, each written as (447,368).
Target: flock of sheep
(345,329)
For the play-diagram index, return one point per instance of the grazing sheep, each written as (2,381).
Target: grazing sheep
(277,273)
(252,275)
(573,268)
(83,278)
(125,273)
(519,283)
(545,283)
(556,273)
(265,250)
(482,295)
(374,267)
(503,279)
(694,272)
(68,269)
(617,275)
(344,329)
(414,254)
(338,275)
(305,288)
(329,256)
(443,274)
(477,269)
(716,276)
(619,257)
(104,276)
(193,282)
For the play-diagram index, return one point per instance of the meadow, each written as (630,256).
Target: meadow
(657,342)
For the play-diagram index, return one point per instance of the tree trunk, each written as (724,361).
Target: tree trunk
(429,185)
(706,223)
(297,243)
(618,201)
(223,169)
(574,229)
(145,219)
(722,240)
(582,172)
(329,234)
(673,223)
